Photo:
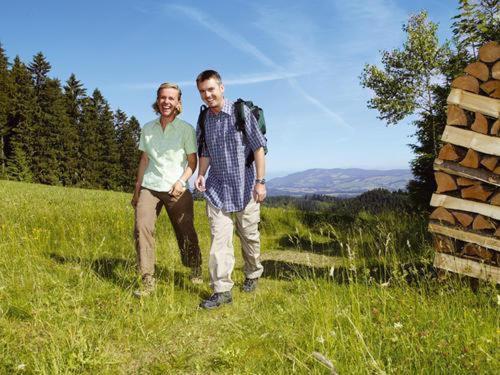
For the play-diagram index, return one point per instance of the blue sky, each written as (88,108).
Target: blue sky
(299,60)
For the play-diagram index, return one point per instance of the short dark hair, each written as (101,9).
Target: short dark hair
(207,74)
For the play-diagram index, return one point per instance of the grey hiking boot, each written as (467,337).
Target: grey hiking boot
(195,276)
(216,300)
(249,285)
(147,287)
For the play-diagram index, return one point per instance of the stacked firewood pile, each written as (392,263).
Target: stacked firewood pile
(465,222)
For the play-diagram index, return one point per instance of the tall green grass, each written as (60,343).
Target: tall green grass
(67,271)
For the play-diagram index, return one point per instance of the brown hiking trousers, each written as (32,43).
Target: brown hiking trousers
(180,212)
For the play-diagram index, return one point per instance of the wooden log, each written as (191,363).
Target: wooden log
(467,267)
(497,232)
(495,70)
(490,52)
(463,218)
(463,181)
(448,152)
(495,129)
(466,236)
(482,223)
(466,138)
(479,70)
(443,244)
(443,215)
(474,250)
(477,174)
(495,200)
(478,192)
(456,116)
(444,182)
(492,88)
(475,103)
(480,124)
(489,162)
(467,83)
(453,203)
(471,159)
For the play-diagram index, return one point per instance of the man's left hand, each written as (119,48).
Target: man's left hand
(259,192)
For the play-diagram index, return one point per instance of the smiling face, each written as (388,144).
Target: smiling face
(169,103)
(212,93)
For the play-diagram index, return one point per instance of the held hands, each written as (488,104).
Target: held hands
(135,199)
(200,183)
(259,192)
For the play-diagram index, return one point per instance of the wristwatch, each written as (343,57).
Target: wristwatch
(261,181)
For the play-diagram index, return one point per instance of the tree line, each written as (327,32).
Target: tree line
(415,80)
(57,134)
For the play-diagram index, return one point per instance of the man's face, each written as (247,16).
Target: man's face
(211,92)
(168,102)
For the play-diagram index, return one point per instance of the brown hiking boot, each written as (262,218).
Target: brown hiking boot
(147,287)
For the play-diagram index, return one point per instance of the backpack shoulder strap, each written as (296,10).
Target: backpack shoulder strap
(201,125)
(239,107)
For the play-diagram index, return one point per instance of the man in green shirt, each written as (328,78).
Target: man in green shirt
(168,160)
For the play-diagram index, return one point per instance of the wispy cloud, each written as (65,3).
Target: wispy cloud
(239,42)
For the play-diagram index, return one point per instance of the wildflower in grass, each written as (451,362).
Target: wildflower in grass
(332,271)
(498,299)
(21,367)
(320,339)
(398,325)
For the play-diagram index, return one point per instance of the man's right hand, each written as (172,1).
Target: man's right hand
(199,184)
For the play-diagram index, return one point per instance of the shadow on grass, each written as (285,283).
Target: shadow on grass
(107,269)
(410,273)
(295,242)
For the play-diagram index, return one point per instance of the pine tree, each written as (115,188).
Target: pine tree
(88,144)
(20,140)
(129,134)
(5,92)
(74,93)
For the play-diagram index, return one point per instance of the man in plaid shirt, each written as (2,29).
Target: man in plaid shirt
(231,188)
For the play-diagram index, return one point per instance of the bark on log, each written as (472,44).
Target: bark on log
(483,223)
(479,70)
(471,249)
(495,129)
(480,124)
(477,192)
(456,116)
(444,182)
(497,170)
(448,152)
(463,181)
(489,162)
(466,83)
(471,160)
(490,52)
(463,218)
(477,174)
(495,71)
(444,244)
(443,215)
(492,88)
(497,232)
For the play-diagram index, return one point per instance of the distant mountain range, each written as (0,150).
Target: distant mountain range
(338,182)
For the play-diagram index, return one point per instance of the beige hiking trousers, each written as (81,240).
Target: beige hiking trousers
(221,260)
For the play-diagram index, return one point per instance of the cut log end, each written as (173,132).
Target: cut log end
(476,251)
(456,116)
(444,182)
(479,70)
(444,244)
(495,70)
(448,152)
(492,88)
(443,215)
(463,218)
(489,162)
(480,124)
(490,52)
(477,192)
(471,159)
(466,83)
(463,181)
(483,223)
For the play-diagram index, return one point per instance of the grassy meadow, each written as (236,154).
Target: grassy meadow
(360,293)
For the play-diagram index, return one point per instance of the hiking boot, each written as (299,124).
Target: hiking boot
(249,285)
(147,287)
(195,276)
(216,299)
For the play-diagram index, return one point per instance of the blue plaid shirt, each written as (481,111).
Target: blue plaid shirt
(229,183)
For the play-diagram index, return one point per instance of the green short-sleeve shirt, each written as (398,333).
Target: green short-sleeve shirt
(167,152)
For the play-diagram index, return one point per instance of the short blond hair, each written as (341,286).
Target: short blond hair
(167,85)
